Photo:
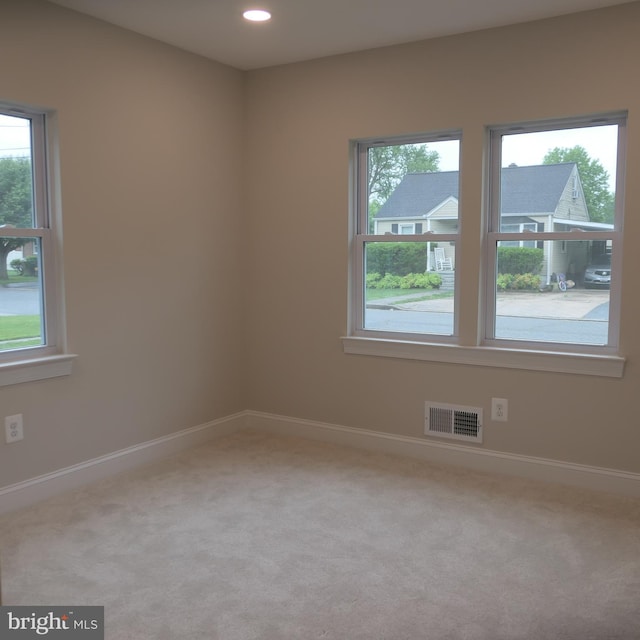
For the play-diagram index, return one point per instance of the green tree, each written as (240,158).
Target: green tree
(594,178)
(389,164)
(16,203)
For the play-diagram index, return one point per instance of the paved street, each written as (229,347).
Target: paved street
(20,301)
(577,316)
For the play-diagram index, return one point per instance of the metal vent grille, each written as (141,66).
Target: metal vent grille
(453,421)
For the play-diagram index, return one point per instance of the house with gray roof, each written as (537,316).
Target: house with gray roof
(534,198)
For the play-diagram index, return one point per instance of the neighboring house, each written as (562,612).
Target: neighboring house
(535,198)
(24,252)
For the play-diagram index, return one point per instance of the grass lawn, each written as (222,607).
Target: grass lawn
(19,344)
(25,329)
(14,277)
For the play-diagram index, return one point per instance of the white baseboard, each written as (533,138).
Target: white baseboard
(23,494)
(566,473)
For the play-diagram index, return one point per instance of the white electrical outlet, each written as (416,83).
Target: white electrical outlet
(499,409)
(13,428)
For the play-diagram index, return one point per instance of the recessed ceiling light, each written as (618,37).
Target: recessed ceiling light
(257,15)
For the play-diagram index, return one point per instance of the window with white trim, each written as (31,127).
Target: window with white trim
(29,320)
(553,208)
(408,195)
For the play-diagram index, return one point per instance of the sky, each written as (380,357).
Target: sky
(14,136)
(524,149)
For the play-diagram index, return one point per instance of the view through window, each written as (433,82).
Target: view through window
(412,192)
(550,264)
(554,234)
(22,232)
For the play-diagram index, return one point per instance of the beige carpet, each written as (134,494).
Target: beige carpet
(261,537)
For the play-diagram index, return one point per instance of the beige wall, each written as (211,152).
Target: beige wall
(181,313)
(150,152)
(300,118)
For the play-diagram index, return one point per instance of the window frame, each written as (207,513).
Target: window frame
(50,358)
(493,233)
(360,208)
(478,349)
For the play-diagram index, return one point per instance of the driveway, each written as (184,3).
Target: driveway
(573,304)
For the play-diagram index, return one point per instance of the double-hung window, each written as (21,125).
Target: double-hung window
(555,211)
(31,336)
(544,272)
(407,228)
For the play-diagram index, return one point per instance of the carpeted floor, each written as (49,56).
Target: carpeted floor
(255,536)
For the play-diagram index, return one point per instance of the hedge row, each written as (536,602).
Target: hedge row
(396,258)
(410,281)
(401,258)
(518,260)
(402,265)
(520,281)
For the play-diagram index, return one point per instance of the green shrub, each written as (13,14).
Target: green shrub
(31,266)
(521,282)
(396,258)
(18,265)
(421,281)
(434,280)
(372,280)
(26,267)
(504,281)
(526,281)
(519,260)
(410,281)
(389,281)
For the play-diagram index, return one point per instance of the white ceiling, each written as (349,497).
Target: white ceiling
(306,29)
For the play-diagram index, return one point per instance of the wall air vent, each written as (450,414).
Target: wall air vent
(453,421)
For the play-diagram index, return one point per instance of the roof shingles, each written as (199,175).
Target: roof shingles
(525,190)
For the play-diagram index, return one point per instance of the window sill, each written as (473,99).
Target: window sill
(608,366)
(36,369)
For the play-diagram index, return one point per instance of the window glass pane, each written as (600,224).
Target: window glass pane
(407,289)
(21,314)
(413,186)
(559,180)
(558,292)
(16,179)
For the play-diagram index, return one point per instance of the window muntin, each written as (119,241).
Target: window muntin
(544,204)
(27,299)
(407,194)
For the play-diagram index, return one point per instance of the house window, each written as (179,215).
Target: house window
(545,297)
(406,188)
(519,228)
(29,303)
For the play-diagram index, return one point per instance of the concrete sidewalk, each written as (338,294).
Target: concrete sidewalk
(571,304)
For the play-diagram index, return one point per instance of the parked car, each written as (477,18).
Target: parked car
(598,273)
